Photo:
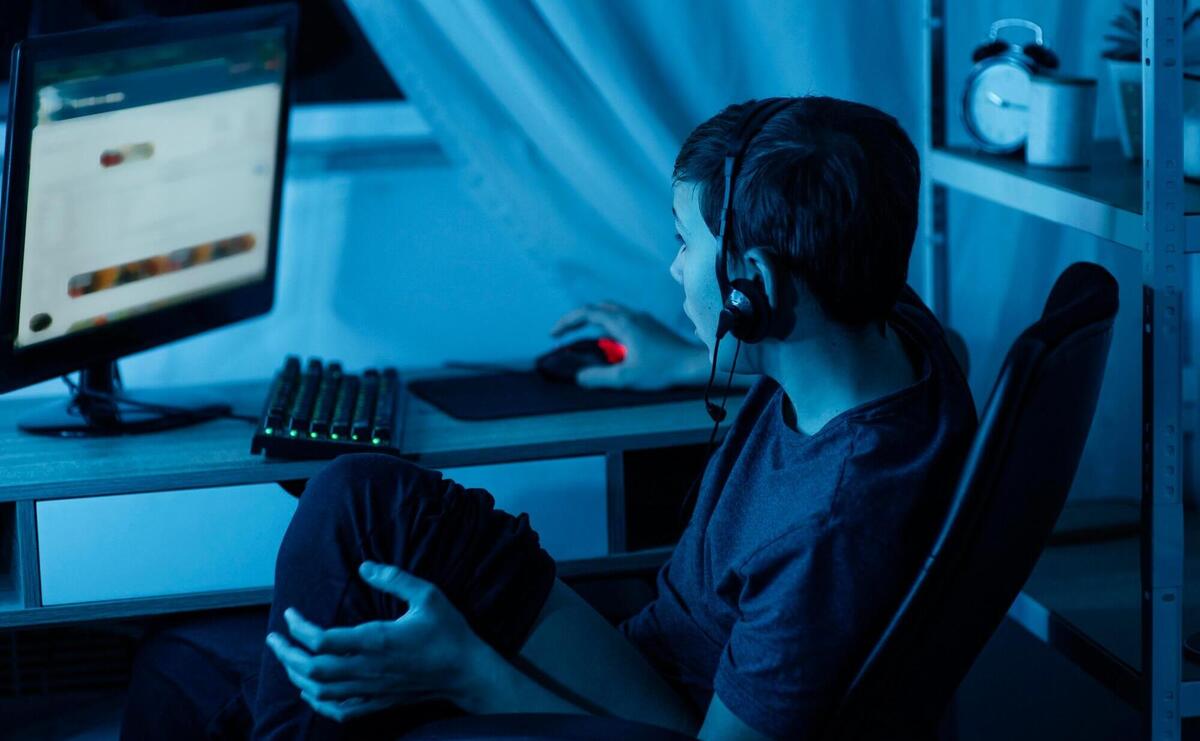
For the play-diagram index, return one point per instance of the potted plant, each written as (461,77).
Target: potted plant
(1123,56)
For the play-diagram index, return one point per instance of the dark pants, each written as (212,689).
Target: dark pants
(212,677)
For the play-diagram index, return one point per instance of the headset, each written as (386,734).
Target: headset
(745,310)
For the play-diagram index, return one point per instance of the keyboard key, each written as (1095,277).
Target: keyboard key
(326,396)
(364,409)
(385,408)
(306,394)
(344,407)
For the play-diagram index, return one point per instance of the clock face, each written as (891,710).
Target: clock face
(996,106)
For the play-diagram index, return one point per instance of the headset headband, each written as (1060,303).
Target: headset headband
(759,115)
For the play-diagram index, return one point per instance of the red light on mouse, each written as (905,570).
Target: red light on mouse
(614,352)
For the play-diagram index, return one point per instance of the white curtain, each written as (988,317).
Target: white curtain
(565,117)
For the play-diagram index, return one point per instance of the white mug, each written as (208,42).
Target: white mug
(1062,111)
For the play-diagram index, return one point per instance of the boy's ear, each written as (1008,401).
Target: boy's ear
(779,287)
(760,268)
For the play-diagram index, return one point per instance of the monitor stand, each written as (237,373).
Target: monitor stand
(99,408)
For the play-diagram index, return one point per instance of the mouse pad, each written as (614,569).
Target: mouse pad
(501,395)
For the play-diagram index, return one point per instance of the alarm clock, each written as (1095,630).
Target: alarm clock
(995,104)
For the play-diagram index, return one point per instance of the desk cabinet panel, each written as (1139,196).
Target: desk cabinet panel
(160,543)
(564,498)
(169,543)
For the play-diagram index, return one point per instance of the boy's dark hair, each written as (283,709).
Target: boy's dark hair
(829,187)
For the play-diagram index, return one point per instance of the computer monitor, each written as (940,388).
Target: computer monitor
(141,200)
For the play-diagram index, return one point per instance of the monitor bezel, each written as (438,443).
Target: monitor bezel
(23,366)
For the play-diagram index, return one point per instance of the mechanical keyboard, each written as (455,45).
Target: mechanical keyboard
(321,411)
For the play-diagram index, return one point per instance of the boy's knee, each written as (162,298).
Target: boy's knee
(360,483)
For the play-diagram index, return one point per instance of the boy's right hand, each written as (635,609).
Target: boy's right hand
(655,357)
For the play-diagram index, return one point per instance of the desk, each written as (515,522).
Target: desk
(35,471)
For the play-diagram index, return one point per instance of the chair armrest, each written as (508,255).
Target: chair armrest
(541,727)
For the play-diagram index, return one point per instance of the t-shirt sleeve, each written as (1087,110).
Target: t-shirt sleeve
(799,634)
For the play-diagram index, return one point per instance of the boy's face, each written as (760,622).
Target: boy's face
(694,266)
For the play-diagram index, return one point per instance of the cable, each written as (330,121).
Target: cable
(79,391)
(206,412)
(729,381)
(717,414)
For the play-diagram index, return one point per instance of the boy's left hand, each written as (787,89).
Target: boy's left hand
(343,673)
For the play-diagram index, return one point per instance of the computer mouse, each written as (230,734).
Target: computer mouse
(563,363)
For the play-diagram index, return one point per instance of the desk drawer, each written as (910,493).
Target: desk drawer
(160,543)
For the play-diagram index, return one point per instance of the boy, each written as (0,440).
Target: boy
(810,520)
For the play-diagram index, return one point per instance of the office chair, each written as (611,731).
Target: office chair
(1011,490)
(1012,487)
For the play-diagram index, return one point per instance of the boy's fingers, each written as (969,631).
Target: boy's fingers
(573,319)
(408,587)
(613,308)
(612,321)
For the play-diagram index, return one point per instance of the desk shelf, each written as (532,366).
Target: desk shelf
(13,613)
(1104,200)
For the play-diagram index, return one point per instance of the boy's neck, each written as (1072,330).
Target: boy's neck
(826,375)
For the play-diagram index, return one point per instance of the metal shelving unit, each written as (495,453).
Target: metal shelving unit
(1148,207)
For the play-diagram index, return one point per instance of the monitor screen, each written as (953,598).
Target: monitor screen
(151,178)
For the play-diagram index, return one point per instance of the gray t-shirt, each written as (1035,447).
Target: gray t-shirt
(801,546)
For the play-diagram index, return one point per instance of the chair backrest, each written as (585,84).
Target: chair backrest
(1012,488)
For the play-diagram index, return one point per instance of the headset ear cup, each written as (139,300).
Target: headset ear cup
(1041,56)
(990,49)
(751,314)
